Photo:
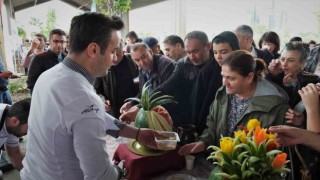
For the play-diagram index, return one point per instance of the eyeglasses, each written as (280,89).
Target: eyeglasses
(58,41)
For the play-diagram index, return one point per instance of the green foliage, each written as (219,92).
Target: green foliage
(49,24)
(22,33)
(18,85)
(35,22)
(122,5)
(113,7)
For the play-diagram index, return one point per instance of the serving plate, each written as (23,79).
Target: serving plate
(181,177)
(136,148)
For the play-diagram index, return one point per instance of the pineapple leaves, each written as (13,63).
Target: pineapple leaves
(149,101)
(134,99)
(151,115)
(161,102)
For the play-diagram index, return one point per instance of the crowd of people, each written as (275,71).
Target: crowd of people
(78,87)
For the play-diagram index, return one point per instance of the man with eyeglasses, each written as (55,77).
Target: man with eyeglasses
(49,58)
(38,45)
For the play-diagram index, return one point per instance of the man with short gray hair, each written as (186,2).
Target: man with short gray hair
(245,36)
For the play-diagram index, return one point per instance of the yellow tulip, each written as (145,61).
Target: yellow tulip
(253,123)
(226,145)
(242,135)
(271,136)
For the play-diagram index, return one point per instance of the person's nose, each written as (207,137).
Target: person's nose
(192,56)
(284,63)
(141,64)
(114,58)
(219,56)
(225,82)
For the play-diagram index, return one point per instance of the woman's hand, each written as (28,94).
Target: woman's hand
(288,135)
(310,96)
(289,79)
(275,67)
(293,117)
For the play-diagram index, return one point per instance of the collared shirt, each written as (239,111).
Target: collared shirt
(79,69)
(67,128)
(254,52)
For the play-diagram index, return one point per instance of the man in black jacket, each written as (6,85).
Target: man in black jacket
(182,81)
(47,59)
(118,85)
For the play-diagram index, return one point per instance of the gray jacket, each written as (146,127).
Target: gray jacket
(312,60)
(268,105)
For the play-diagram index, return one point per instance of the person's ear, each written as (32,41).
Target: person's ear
(92,49)
(178,46)
(208,46)
(250,76)
(14,121)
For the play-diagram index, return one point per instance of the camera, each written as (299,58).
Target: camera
(305,78)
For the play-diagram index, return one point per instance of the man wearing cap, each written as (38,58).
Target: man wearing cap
(153,44)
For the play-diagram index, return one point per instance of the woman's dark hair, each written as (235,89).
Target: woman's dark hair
(271,37)
(296,38)
(261,66)
(92,28)
(241,62)
(312,42)
(227,37)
